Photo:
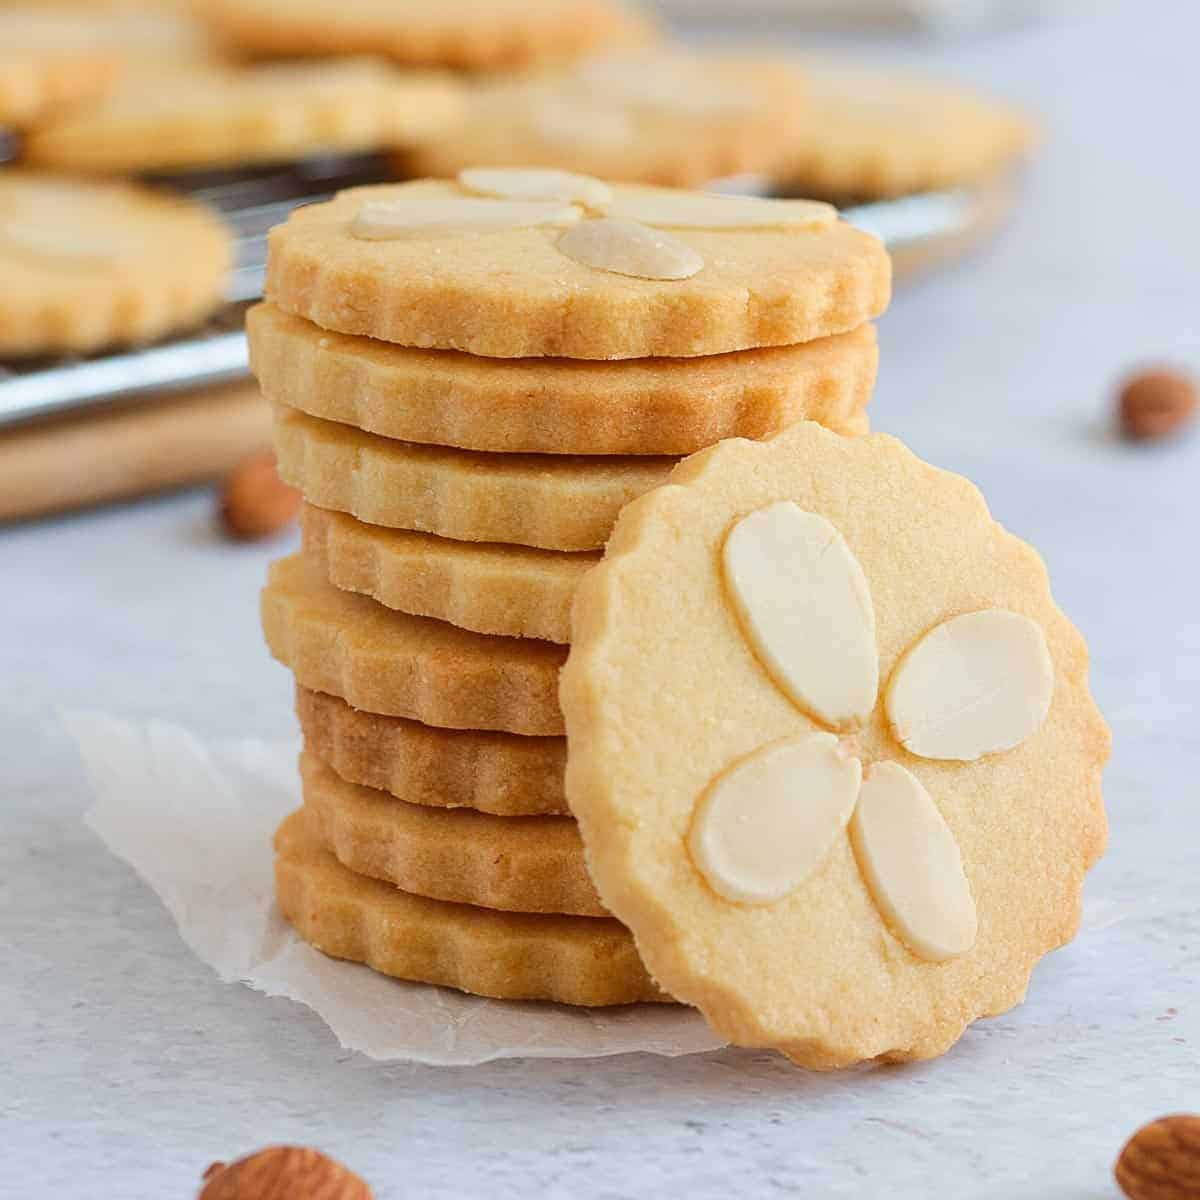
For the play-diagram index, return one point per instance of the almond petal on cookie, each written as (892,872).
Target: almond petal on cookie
(382,220)
(536,183)
(627,248)
(912,864)
(973,685)
(805,608)
(766,825)
(667,209)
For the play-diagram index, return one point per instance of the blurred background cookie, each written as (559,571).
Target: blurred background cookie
(871,134)
(88,265)
(225,116)
(662,117)
(456,33)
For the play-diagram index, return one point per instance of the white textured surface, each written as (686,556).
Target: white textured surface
(128,1066)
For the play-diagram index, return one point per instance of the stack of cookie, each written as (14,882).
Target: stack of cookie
(472,379)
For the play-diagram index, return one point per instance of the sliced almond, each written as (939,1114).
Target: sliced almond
(665,208)
(912,864)
(973,685)
(805,607)
(537,183)
(383,220)
(767,824)
(627,248)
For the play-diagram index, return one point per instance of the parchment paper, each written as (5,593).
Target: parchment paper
(195,819)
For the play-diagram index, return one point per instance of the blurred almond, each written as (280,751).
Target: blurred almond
(1162,1160)
(1156,404)
(283,1173)
(255,502)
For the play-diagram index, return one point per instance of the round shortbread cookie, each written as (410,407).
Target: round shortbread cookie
(659,117)
(87,265)
(587,961)
(499,773)
(515,864)
(641,272)
(217,116)
(514,591)
(388,662)
(553,502)
(832,749)
(555,406)
(467,34)
(868,135)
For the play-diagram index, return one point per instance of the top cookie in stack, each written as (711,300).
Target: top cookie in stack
(472,379)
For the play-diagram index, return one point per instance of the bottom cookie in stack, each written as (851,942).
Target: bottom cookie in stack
(587,961)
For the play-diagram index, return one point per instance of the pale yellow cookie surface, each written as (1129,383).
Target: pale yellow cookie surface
(500,773)
(472,34)
(699,665)
(870,135)
(514,591)
(397,665)
(662,118)
(436,265)
(554,502)
(45,68)
(215,116)
(88,265)
(587,961)
(556,406)
(516,864)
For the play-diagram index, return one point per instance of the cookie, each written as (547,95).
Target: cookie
(516,864)
(514,591)
(218,116)
(390,663)
(84,266)
(41,72)
(832,749)
(555,406)
(553,502)
(658,117)
(455,33)
(519,263)
(587,961)
(869,135)
(499,773)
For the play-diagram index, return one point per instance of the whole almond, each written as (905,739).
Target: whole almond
(1162,1160)
(255,502)
(283,1173)
(1156,404)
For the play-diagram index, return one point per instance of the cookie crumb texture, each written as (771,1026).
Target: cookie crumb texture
(512,293)
(670,687)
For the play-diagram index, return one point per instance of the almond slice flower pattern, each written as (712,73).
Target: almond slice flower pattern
(978,683)
(622,230)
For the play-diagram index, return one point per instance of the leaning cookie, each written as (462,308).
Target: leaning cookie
(462,34)
(87,265)
(866,135)
(680,120)
(221,116)
(831,747)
